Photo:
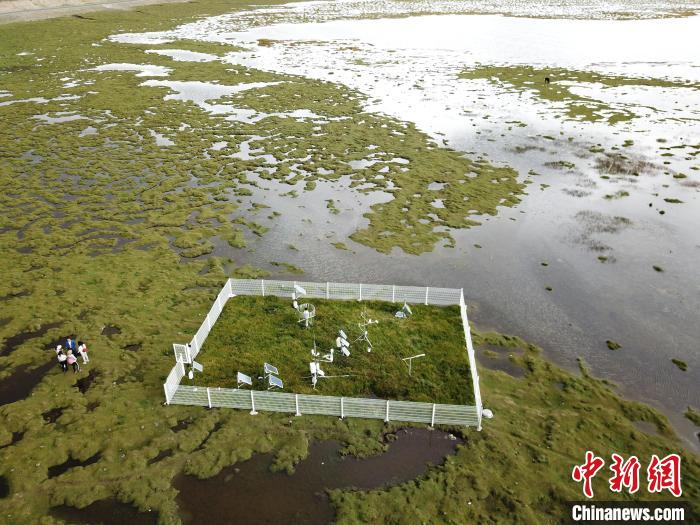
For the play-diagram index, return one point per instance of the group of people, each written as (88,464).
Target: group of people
(68,357)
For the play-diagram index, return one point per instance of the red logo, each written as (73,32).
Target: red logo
(662,474)
(665,474)
(625,474)
(587,471)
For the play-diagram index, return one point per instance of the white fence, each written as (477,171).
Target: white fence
(299,404)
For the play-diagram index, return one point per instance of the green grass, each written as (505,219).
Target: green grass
(254,330)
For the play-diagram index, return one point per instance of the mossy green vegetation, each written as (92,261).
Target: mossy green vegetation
(682,365)
(287,267)
(613,345)
(693,415)
(255,330)
(531,79)
(102,226)
(519,467)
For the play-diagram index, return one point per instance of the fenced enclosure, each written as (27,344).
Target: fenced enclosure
(299,404)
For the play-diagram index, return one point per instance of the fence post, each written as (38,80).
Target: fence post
(386,419)
(360,291)
(262,282)
(342,411)
(393,293)
(252,403)
(426,295)
(328,290)
(296,402)
(209,397)
(432,418)
(167,397)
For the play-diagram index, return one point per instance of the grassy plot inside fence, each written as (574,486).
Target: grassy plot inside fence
(254,330)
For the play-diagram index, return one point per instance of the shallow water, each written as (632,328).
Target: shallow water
(409,69)
(249,493)
(105,512)
(22,381)
(12,342)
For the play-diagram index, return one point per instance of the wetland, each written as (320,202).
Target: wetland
(148,154)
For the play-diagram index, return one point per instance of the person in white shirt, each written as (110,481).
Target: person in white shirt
(83,351)
(62,358)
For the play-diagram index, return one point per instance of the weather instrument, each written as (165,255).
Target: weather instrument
(409,361)
(328,357)
(343,345)
(269,369)
(404,312)
(195,366)
(307,313)
(274,382)
(242,379)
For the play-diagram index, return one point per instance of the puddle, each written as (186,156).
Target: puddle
(57,470)
(181,425)
(182,55)
(646,427)
(86,382)
(58,117)
(500,362)
(143,70)
(50,416)
(22,381)
(105,512)
(16,340)
(4,487)
(16,437)
(161,455)
(23,293)
(161,140)
(253,494)
(111,330)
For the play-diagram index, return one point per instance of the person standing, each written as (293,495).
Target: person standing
(73,361)
(82,349)
(62,361)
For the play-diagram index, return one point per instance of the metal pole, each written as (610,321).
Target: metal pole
(432,418)
(252,403)
(209,397)
(360,291)
(327,290)
(393,293)
(386,419)
(426,295)
(296,402)
(342,411)
(262,282)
